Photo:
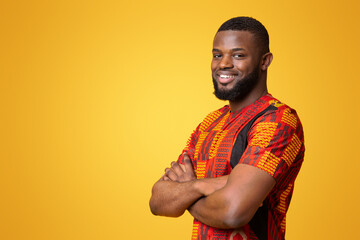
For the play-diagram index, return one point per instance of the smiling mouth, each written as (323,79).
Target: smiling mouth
(226,78)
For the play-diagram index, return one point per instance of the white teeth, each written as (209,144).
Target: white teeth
(226,76)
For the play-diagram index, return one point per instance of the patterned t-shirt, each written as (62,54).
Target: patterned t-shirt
(266,134)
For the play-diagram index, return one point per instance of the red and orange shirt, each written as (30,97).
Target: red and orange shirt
(266,134)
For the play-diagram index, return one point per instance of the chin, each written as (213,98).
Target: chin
(228,87)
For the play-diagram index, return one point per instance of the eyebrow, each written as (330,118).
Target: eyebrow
(238,49)
(234,49)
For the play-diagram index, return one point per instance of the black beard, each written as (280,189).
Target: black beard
(241,89)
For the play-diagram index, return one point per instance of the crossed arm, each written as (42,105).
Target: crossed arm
(225,202)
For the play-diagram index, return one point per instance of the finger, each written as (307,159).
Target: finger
(170,174)
(164,178)
(182,167)
(176,168)
(188,164)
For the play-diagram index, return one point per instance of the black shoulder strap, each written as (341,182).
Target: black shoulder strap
(259,223)
(241,139)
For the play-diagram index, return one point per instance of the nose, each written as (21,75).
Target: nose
(226,62)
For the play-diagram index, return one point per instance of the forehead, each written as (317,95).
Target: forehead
(226,40)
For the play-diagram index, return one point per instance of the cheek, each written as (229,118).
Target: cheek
(241,64)
(243,67)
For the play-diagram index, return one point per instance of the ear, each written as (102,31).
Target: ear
(266,59)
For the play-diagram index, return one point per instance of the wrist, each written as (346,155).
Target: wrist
(204,186)
(207,186)
(199,186)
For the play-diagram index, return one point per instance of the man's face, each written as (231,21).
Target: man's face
(235,64)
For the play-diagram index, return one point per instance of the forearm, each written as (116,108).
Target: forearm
(173,198)
(214,211)
(235,204)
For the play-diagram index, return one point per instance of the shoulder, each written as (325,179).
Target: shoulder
(276,140)
(282,115)
(213,117)
(277,129)
(217,113)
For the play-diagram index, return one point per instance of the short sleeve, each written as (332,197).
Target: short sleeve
(275,142)
(190,146)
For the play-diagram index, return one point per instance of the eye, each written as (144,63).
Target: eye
(217,55)
(239,55)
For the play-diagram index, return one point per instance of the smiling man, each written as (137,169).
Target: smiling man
(236,175)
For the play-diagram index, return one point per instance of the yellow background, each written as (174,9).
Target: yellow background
(98,97)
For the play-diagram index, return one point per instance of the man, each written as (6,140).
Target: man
(236,175)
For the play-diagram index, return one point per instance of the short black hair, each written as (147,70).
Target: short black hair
(248,24)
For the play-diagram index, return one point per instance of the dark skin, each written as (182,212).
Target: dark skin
(230,201)
(178,189)
(236,53)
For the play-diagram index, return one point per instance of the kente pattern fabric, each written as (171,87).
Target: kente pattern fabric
(266,134)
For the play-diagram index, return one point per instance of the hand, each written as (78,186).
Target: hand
(208,186)
(180,172)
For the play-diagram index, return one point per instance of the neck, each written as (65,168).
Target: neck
(257,92)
